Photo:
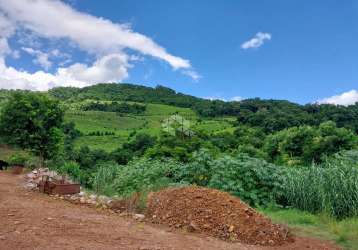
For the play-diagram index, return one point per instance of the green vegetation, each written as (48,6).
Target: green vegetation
(121,108)
(299,163)
(32,121)
(320,226)
(331,187)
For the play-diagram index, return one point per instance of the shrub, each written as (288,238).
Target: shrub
(69,168)
(253,180)
(143,174)
(19,158)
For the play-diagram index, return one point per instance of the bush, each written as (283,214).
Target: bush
(145,175)
(20,158)
(253,180)
(331,188)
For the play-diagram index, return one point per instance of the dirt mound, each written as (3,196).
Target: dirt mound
(214,213)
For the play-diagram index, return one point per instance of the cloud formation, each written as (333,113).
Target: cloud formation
(257,41)
(54,20)
(346,98)
(109,68)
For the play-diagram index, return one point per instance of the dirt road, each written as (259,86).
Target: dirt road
(30,220)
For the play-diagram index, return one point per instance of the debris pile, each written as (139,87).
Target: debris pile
(215,213)
(33,179)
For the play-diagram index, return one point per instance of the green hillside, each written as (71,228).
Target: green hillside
(122,125)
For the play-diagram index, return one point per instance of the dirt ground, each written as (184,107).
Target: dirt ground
(30,220)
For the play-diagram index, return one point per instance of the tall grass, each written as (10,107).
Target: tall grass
(103,178)
(331,188)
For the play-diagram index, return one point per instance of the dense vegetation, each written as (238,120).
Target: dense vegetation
(115,107)
(119,139)
(33,122)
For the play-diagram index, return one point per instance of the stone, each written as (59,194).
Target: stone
(139,217)
(93,197)
(2,237)
(193,227)
(231,229)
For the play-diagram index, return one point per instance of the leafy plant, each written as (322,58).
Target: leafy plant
(253,180)
(19,158)
(144,174)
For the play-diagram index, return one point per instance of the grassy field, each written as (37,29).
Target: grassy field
(343,233)
(122,125)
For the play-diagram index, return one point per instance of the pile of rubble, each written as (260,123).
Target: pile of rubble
(123,207)
(214,213)
(33,179)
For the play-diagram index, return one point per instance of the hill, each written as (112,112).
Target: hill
(108,130)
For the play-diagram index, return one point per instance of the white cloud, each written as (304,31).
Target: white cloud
(213,98)
(15,54)
(346,98)
(236,98)
(41,58)
(257,41)
(193,74)
(7,29)
(110,68)
(54,20)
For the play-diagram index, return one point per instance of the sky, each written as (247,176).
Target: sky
(302,51)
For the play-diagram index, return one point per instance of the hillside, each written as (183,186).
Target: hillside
(209,116)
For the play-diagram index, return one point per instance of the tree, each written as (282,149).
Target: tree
(307,144)
(32,121)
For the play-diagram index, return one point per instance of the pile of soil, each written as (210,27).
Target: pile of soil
(215,213)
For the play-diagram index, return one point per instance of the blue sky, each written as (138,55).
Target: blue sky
(308,50)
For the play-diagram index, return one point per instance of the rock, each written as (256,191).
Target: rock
(193,227)
(103,199)
(231,229)
(2,237)
(82,194)
(93,197)
(139,217)
(83,200)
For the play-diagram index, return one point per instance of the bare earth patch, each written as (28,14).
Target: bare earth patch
(30,220)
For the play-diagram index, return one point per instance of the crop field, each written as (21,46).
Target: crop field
(123,124)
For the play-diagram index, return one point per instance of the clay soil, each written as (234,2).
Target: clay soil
(30,220)
(215,213)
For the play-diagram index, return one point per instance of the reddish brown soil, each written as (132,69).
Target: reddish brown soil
(215,213)
(31,220)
